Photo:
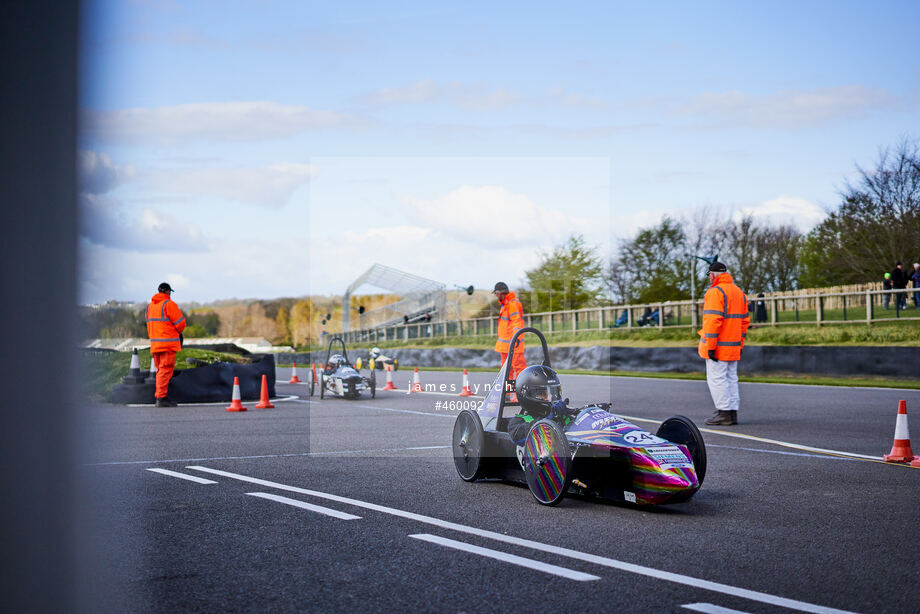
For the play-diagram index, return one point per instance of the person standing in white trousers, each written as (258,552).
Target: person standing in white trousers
(722,377)
(725,324)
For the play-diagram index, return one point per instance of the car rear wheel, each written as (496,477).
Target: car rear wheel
(322,386)
(680,429)
(547,462)
(373,384)
(467,443)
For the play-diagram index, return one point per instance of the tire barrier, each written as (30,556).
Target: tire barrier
(212,383)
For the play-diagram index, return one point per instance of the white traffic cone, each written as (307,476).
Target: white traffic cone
(235,403)
(134,375)
(389,385)
(294,379)
(465,391)
(416,383)
(901,451)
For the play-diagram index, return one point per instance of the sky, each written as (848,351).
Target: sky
(276,149)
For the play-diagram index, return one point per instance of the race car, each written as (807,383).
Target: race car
(339,378)
(586,451)
(376,360)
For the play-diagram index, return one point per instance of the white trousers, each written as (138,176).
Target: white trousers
(722,377)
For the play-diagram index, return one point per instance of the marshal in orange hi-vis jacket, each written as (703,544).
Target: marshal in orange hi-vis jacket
(510,320)
(165,323)
(725,320)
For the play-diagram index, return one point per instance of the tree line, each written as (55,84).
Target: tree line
(876,224)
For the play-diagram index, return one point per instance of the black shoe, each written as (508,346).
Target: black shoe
(165,402)
(723,418)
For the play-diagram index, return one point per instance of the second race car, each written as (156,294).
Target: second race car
(377,360)
(339,378)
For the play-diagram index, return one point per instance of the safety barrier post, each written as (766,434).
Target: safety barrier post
(600,319)
(819,309)
(660,315)
(628,317)
(773,311)
(574,322)
(868,307)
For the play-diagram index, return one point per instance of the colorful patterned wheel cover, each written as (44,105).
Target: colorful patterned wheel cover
(467,445)
(547,462)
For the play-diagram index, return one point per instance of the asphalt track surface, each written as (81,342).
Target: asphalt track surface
(341,505)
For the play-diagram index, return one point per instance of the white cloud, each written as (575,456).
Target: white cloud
(789,108)
(106,222)
(466,95)
(492,215)
(475,96)
(269,185)
(336,260)
(219,121)
(265,269)
(784,209)
(97,173)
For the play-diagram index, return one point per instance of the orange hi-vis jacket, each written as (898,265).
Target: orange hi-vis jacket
(725,319)
(164,323)
(510,320)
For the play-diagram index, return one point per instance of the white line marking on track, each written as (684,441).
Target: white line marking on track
(291,397)
(786,444)
(681,379)
(407,411)
(717,587)
(710,608)
(293,455)
(784,453)
(305,506)
(498,555)
(775,442)
(176,474)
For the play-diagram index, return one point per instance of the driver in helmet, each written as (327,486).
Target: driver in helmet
(335,361)
(540,394)
(375,352)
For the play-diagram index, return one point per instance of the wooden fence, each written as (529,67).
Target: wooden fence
(858,303)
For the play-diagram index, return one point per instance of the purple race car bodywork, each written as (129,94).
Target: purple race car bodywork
(587,450)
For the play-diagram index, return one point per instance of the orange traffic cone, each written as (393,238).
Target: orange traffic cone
(235,404)
(313,369)
(465,391)
(294,379)
(264,403)
(416,383)
(389,385)
(900,451)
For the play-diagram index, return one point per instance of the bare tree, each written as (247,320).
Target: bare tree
(619,279)
(877,224)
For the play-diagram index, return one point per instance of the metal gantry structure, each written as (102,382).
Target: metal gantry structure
(419,297)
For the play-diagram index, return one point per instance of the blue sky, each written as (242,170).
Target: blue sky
(265,149)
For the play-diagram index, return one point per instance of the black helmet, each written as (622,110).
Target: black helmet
(538,387)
